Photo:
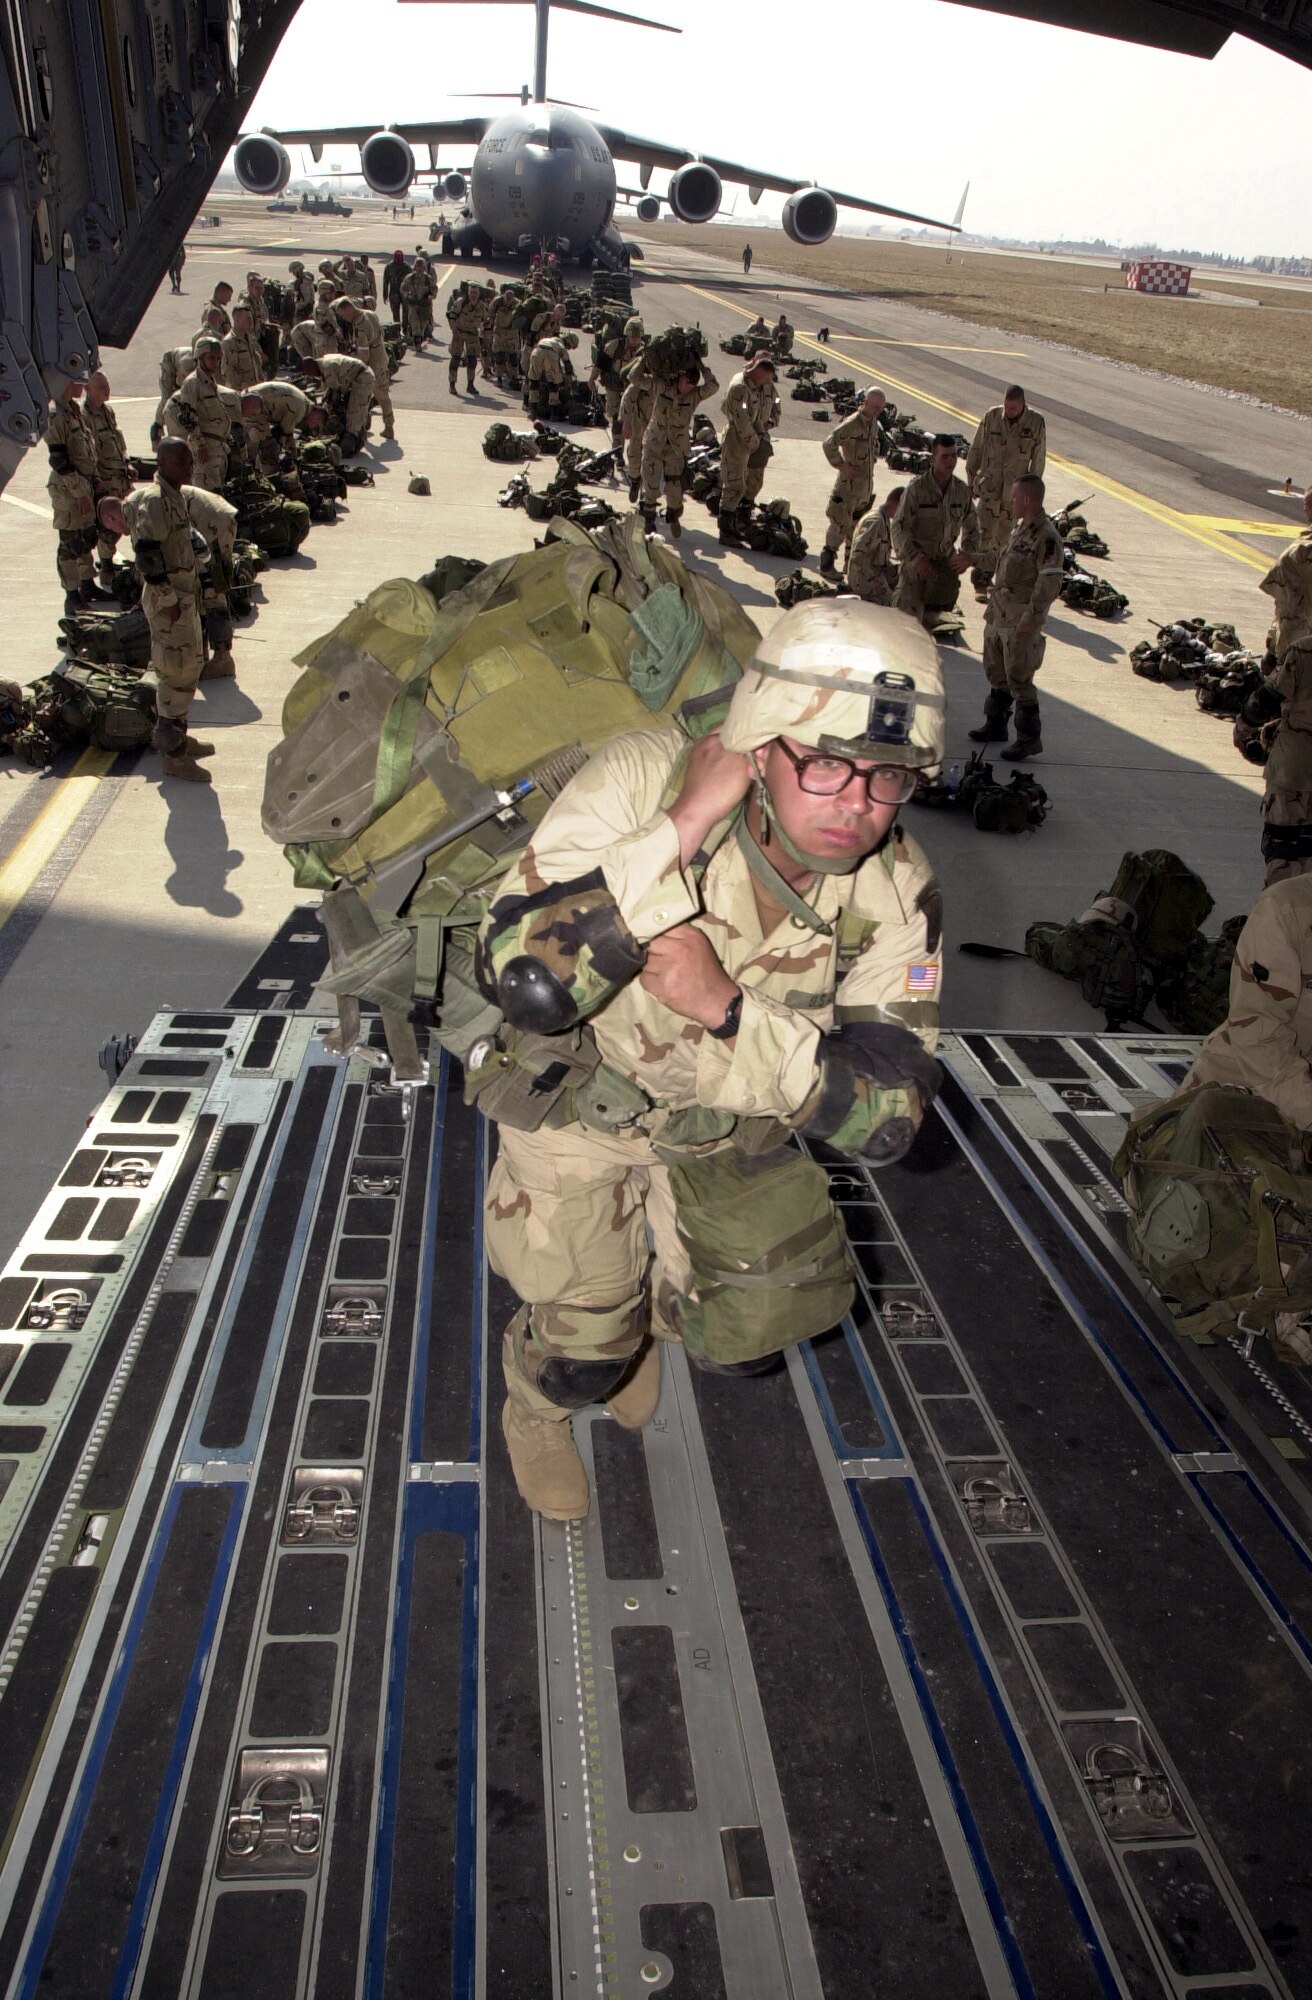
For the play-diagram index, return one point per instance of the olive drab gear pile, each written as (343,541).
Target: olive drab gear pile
(1085,592)
(1222,1195)
(1076,533)
(110,707)
(1195,999)
(1184,650)
(1137,940)
(797,586)
(107,638)
(507,446)
(424,741)
(675,351)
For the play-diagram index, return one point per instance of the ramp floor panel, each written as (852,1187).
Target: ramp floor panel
(967,1653)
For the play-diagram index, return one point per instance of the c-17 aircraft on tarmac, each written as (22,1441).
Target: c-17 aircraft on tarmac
(543,176)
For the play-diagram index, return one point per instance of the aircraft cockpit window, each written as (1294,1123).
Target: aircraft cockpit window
(538,137)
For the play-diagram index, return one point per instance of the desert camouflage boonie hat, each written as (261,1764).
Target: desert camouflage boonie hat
(862,680)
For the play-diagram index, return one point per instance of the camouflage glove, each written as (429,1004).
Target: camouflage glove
(875,1085)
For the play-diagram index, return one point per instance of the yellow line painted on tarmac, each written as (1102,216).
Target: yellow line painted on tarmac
(51,825)
(1286,530)
(1083,475)
(936,346)
(28,506)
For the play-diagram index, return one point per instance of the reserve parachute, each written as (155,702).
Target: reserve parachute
(426,737)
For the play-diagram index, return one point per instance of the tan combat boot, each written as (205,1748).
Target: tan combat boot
(195,747)
(220,666)
(548,1470)
(633,1404)
(178,764)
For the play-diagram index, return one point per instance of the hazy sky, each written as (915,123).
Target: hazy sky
(1058,133)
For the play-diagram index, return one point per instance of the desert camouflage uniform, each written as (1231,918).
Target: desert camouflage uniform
(617,357)
(751,412)
(302,284)
(871,571)
(668,440)
(466,323)
(853,450)
(1027,582)
(999,453)
(1289,582)
(198,413)
(282,408)
(1265,1042)
(352,284)
(550,372)
(113,473)
(1287,803)
(568,1209)
(505,347)
(213,305)
(160,526)
(310,340)
(216,519)
(371,348)
(71,444)
(175,364)
(412,306)
(244,361)
(930,522)
(348,387)
(635,411)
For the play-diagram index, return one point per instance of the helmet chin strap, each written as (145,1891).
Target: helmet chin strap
(772,829)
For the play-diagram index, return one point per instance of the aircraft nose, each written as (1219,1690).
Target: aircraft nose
(549,181)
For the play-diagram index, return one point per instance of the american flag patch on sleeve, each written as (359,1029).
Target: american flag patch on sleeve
(922,979)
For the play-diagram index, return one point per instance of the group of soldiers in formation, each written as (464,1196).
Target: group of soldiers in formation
(223,413)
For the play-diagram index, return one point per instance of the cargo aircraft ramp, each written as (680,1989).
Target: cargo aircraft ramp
(965,1654)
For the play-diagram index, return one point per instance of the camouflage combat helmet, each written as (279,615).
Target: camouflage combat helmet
(634,325)
(207,344)
(859,679)
(296,265)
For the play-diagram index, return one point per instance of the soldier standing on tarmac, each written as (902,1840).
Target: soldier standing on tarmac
(113,473)
(708,993)
(668,441)
(853,451)
(635,415)
(394,276)
(71,448)
(751,411)
(176,263)
(936,512)
(1026,584)
(196,411)
(466,322)
(157,519)
(1289,582)
(1011,439)
(244,360)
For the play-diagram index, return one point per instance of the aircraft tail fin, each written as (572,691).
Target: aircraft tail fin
(542,9)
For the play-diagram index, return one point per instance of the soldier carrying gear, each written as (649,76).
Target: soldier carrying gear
(935,513)
(302,289)
(216,519)
(668,438)
(871,571)
(747,940)
(113,473)
(165,552)
(612,358)
(71,447)
(197,412)
(243,357)
(853,451)
(1289,582)
(1028,581)
(503,345)
(348,387)
(1011,439)
(751,409)
(371,348)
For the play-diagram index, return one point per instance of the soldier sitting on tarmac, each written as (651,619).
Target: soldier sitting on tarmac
(788,985)
(1026,585)
(871,571)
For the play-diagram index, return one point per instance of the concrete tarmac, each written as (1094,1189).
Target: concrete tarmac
(120,895)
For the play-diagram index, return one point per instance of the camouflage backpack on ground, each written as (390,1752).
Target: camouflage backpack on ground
(106,638)
(1222,1195)
(504,445)
(1093,594)
(112,709)
(1196,998)
(1102,956)
(423,744)
(797,586)
(1168,904)
(773,531)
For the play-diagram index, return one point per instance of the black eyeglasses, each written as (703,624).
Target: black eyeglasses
(826,777)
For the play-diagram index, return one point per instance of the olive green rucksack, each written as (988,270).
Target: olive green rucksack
(111,708)
(423,744)
(1170,904)
(107,639)
(1196,998)
(1103,958)
(1222,1196)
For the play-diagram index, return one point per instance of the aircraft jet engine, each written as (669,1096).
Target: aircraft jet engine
(810,216)
(261,164)
(695,192)
(387,163)
(454,186)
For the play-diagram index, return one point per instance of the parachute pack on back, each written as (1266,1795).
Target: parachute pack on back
(425,740)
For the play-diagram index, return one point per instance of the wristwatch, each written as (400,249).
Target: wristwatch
(728,1027)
